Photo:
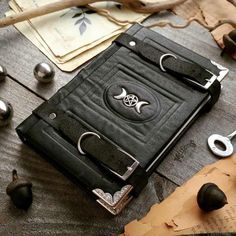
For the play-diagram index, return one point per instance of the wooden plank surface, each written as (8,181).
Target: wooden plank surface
(191,152)
(59,207)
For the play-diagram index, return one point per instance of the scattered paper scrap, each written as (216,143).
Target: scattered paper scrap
(210,12)
(179,213)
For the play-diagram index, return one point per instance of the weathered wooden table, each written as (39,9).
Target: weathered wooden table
(60,207)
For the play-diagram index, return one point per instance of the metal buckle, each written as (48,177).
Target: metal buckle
(222,73)
(130,169)
(210,81)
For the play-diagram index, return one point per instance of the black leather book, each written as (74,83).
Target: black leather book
(110,127)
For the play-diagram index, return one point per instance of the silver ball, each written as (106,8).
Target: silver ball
(3,73)
(6,112)
(44,72)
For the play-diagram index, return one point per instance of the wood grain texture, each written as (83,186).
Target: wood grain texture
(59,207)
(191,153)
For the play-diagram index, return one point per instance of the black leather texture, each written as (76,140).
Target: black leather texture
(192,73)
(128,101)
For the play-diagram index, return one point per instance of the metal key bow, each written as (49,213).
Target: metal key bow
(224,141)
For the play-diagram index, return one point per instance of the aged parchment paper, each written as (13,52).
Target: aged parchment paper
(180,214)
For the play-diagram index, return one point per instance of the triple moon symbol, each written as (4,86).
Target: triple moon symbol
(131,100)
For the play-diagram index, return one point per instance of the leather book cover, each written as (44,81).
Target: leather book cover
(127,101)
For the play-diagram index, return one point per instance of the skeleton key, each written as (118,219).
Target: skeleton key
(226,143)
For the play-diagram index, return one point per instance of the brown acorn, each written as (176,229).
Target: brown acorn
(20,191)
(230,43)
(210,197)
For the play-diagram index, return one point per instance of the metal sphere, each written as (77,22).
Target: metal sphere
(6,112)
(44,72)
(3,73)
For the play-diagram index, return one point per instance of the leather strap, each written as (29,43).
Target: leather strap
(106,154)
(117,162)
(189,72)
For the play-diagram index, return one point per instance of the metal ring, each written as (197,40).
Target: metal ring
(223,140)
(80,139)
(162,57)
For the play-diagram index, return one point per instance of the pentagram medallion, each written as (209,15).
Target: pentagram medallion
(131,100)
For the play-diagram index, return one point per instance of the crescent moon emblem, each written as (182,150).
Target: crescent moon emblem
(162,57)
(122,95)
(139,105)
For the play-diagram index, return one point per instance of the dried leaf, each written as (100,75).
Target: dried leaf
(77,15)
(79,21)
(82,28)
(87,20)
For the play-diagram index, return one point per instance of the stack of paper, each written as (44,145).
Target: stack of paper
(73,36)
